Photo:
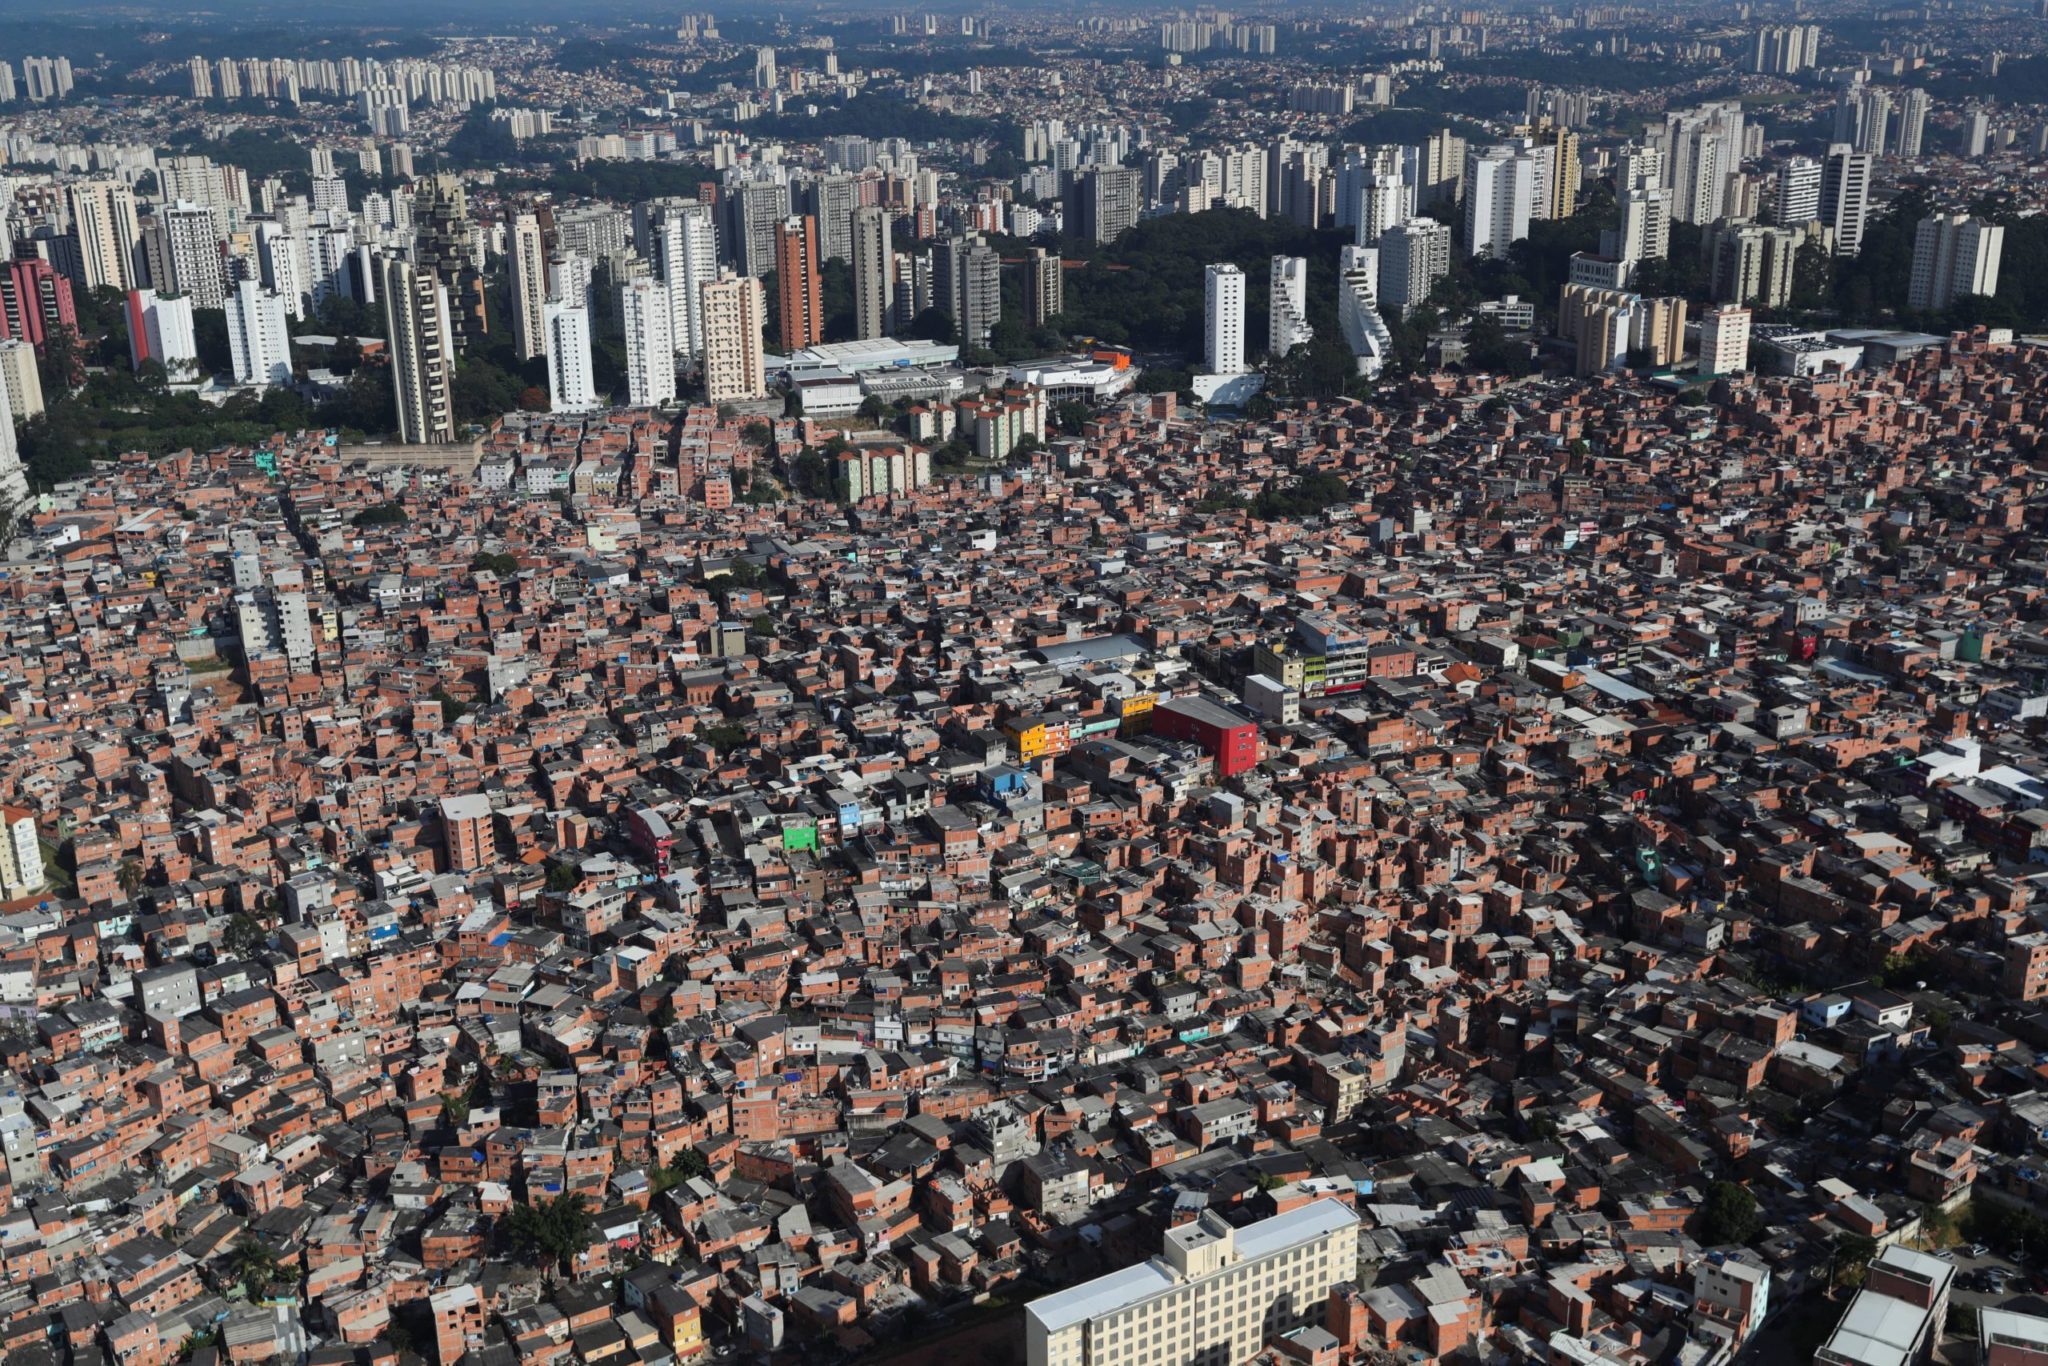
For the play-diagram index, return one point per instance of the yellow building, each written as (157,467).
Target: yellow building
(1215,1293)
(1027,737)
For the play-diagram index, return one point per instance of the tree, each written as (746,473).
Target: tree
(1849,1261)
(743,574)
(455,1107)
(563,877)
(344,356)
(1813,277)
(63,360)
(483,141)
(497,562)
(1489,348)
(253,1266)
(453,708)
(933,326)
(690,1163)
(1728,1215)
(1304,498)
(129,876)
(380,514)
(366,404)
(551,1232)
(725,737)
(813,475)
(244,935)
(1071,415)
(483,389)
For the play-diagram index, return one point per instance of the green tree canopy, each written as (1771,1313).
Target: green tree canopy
(1727,1215)
(551,1232)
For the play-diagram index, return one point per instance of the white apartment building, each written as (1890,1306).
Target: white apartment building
(1954,254)
(650,342)
(1724,341)
(160,328)
(192,251)
(683,248)
(422,351)
(1358,311)
(1734,1289)
(1645,233)
(1213,1293)
(21,379)
(1413,256)
(734,368)
(13,474)
(571,388)
(1845,196)
(259,341)
(109,235)
(1500,194)
(1223,319)
(526,265)
(1797,201)
(1287,323)
(21,856)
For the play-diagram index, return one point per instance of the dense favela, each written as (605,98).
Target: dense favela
(1317,685)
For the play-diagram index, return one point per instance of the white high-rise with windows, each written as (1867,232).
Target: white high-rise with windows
(735,369)
(160,329)
(1724,340)
(1215,1293)
(571,388)
(1287,306)
(1912,123)
(1797,201)
(21,379)
(1223,319)
(650,343)
(416,319)
(683,249)
(1845,196)
(1413,257)
(109,235)
(13,475)
(1376,188)
(1386,198)
(192,245)
(526,266)
(281,261)
(874,283)
(1645,232)
(258,337)
(1702,148)
(1786,50)
(1500,194)
(1953,254)
(21,853)
(1358,309)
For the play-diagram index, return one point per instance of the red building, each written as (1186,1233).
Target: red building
(1224,735)
(650,834)
(34,301)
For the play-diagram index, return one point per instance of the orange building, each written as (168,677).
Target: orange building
(800,290)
